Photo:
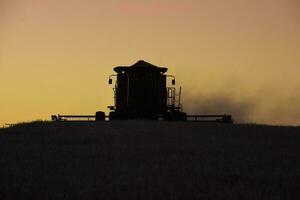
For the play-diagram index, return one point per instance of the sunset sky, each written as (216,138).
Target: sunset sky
(240,57)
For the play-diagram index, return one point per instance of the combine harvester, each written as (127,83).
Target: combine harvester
(142,92)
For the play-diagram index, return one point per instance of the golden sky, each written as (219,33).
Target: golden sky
(234,56)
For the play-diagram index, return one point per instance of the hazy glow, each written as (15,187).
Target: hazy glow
(56,55)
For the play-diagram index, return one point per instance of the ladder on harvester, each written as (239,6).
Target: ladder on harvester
(174,99)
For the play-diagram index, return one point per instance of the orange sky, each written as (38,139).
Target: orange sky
(235,56)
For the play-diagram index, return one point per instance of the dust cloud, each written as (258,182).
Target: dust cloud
(266,106)
(241,109)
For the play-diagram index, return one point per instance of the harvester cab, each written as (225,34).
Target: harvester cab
(141,91)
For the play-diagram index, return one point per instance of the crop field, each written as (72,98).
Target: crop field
(149,160)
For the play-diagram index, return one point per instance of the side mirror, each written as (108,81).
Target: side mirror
(173,82)
(110,81)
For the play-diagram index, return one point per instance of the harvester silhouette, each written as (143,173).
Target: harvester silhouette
(143,91)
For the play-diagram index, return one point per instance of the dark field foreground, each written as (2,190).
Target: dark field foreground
(149,160)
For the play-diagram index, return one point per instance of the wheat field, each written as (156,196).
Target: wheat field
(149,160)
